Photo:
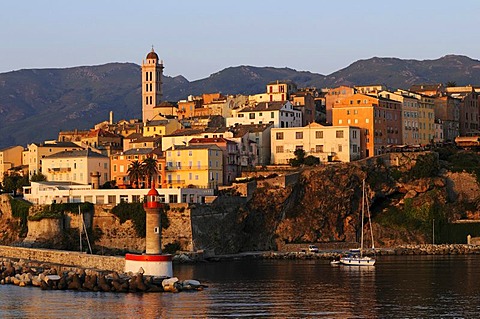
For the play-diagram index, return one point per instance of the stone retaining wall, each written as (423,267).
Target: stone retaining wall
(67,258)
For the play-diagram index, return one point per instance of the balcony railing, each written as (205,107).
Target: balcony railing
(57,170)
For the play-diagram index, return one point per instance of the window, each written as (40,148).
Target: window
(339,134)
(340,148)
(251,116)
(318,148)
(299,147)
(279,149)
(279,136)
(272,115)
(319,134)
(299,135)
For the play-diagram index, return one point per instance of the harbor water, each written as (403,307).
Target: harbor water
(397,287)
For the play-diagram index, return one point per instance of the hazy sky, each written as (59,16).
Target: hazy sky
(197,38)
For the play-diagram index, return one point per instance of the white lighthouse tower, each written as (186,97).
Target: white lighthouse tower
(153,262)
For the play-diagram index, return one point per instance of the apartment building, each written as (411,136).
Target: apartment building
(409,116)
(36,152)
(77,166)
(120,163)
(281,114)
(333,96)
(378,118)
(426,115)
(469,112)
(328,143)
(231,156)
(194,165)
(10,157)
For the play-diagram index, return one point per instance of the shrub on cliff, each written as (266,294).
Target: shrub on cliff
(136,213)
(20,210)
(426,166)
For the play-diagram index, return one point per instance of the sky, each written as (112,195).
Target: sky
(198,38)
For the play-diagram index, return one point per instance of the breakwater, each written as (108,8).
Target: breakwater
(424,249)
(60,277)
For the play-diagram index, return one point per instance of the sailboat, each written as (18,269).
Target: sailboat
(355,256)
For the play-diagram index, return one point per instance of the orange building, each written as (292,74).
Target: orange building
(186,108)
(333,96)
(379,120)
(119,164)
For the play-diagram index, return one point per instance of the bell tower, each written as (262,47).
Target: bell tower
(152,72)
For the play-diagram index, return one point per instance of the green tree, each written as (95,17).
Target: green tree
(135,172)
(299,157)
(11,182)
(38,177)
(311,160)
(150,169)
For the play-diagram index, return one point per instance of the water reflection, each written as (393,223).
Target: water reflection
(407,287)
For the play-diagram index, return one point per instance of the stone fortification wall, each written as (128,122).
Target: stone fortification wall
(67,258)
(44,230)
(180,227)
(115,235)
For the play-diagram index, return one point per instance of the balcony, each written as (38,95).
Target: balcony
(59,170)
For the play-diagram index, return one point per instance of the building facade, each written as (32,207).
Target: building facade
(79,166)
(10,157)
(328,143)
(194,166)
(280,114)
(378,118)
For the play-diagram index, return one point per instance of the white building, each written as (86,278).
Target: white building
(80,166)
(280,113)
(46,193)
(329,143)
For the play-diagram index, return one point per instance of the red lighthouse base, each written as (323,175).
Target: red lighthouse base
(153,265)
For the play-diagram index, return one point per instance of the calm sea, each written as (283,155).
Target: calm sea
(397,287)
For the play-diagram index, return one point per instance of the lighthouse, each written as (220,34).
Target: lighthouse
(153,262)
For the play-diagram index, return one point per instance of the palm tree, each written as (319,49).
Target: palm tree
(135,172)
(150,169)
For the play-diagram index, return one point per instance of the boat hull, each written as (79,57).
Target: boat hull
(357,261)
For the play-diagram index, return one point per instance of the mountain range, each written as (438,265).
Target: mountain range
(35,104)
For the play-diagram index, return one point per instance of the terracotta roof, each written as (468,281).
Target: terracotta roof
(76,153)
(241,130)
(210,140)
(264,106)
(186,132)
(101,133)
(198,146)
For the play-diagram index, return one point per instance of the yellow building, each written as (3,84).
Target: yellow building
(426,116)
(328,143)
(197,165)
(161,127)
(10,157)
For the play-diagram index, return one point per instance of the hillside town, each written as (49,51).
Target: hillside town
(189,149)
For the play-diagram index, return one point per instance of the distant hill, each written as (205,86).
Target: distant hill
(35,104)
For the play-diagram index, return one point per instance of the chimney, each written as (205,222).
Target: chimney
(111,117)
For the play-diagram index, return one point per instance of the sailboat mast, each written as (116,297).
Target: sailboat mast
(363,214)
